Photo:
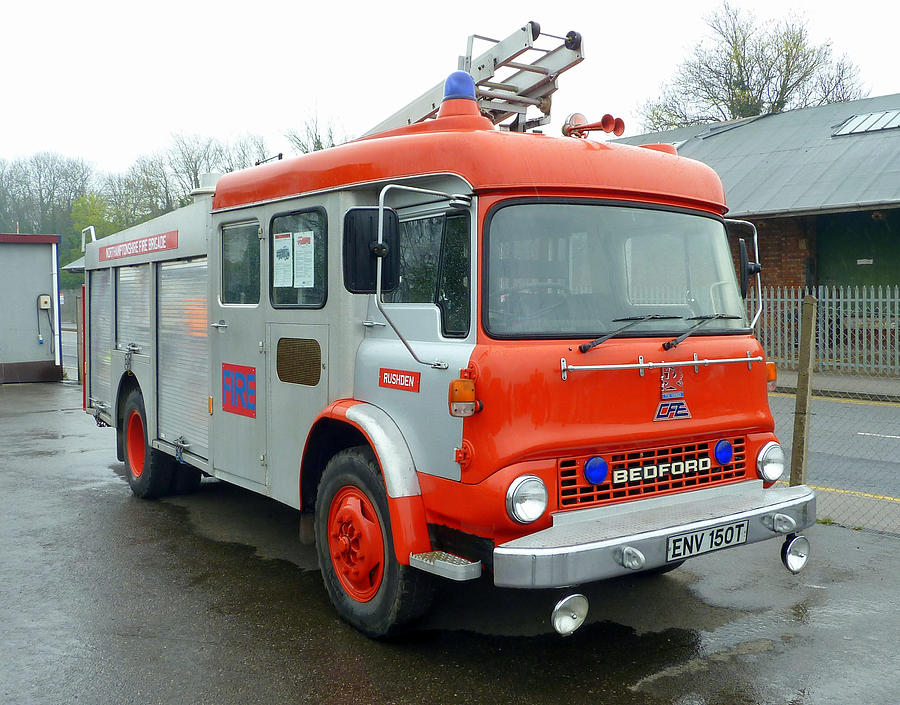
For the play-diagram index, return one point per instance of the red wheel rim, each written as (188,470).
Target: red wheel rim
(356,543)
(134,440)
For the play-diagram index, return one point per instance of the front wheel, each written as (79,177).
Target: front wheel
(367,585)
(149,470)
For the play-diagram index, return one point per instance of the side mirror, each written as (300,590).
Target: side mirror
(362,251)
(748,268)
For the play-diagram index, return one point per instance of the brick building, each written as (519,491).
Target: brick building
(821,184)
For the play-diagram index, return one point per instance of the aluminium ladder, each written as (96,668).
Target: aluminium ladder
(530,84)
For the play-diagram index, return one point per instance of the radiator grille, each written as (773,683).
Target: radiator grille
(576,491)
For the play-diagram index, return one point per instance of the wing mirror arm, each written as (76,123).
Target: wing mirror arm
(748,268)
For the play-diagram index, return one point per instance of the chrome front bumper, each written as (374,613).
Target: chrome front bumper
(587,545)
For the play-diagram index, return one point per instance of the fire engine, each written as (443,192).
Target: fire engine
(458,347)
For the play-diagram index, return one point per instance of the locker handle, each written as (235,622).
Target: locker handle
(220,324)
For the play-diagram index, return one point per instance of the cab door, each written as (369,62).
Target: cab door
(297,343)
(237,353)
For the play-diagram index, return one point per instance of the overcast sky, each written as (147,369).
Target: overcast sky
(110,81)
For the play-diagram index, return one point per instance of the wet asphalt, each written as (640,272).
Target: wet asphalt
(210,598)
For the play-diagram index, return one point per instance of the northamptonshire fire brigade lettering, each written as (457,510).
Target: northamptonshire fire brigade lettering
(141,246)
(399,379)
(672,410)
(239,390)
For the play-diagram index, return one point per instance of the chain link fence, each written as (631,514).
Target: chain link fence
(854,425)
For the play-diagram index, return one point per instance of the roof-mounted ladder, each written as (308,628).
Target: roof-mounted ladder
(530,84)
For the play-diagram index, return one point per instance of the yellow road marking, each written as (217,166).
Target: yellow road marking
(838,399)
(856,493)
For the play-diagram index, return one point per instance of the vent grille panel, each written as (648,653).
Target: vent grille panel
(299,361)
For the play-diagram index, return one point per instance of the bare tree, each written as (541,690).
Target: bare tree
(189,157)
(747,68)
(157,184)
(244,152)
(40,189)
(311,138)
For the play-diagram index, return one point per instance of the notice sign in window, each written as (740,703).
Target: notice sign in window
(283,267)
(304,262)
(294,260)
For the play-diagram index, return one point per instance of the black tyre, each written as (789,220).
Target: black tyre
(149,471)
(355,546)
(185,479)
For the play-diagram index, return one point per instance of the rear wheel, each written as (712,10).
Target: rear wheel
(149,470)
(367,585)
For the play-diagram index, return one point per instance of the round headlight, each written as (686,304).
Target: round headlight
(770,462)
(526,499)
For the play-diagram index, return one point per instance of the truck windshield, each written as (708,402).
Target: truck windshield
(569,270)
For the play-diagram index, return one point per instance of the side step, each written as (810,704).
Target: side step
(446,565)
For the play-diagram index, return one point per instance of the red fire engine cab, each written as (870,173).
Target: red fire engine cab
(460,351)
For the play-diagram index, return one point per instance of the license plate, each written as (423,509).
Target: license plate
(706,540)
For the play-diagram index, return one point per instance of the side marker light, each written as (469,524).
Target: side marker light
(771,376)
(461,398)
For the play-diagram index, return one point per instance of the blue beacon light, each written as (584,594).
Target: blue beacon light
(459,84)
(724,452)
(595,470)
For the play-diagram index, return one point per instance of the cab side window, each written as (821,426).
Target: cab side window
(240,264)
(298,259)
(453,287)
(434,268)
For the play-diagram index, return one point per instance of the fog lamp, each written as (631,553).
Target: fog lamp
(569,614)
(795,553)
(526,499)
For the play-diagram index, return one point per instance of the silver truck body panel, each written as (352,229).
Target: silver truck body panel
(183,358)
(133,294)
(100,338)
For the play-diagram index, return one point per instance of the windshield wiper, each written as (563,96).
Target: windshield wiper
(703,320)
(633,321)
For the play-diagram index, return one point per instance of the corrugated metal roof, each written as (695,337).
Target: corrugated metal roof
(791,163)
